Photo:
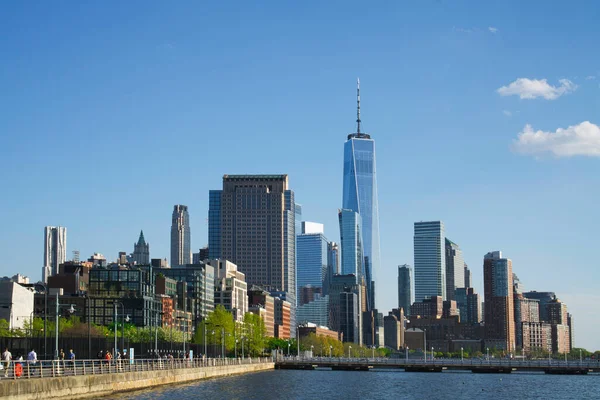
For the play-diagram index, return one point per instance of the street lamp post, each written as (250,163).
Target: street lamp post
(488,353)
(432,353)
(373,352)
(425,343)
(289,344)
(236,342)
(461,355)
(406,351)
(71,310)
(205,354)
(222,342)
(330,348)
(311,350)
(349,348)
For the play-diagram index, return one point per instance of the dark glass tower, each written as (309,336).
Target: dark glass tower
(360,196)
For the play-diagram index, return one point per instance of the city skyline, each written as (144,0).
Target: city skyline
(452,97)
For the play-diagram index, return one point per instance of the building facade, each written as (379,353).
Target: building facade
(231,290)
(499,304)
(256,231)
(469,304)
(393,331)
(352,259)
(455,268)
(536,336)
(360,196)
(16,304)
(430,260)
(55,250)
(181,249)
(315,311)
(405,288)
(312,259)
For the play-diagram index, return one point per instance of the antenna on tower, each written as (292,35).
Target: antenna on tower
(357,105)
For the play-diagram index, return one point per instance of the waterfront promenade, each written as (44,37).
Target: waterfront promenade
(494,365)
(95,378)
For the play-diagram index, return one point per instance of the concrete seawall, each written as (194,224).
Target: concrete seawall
(92,386)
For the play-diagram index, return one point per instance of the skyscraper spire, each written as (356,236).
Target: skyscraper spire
(358,105)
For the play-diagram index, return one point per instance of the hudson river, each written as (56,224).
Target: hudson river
(289,384)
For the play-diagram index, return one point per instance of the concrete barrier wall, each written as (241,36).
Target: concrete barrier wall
(78,387)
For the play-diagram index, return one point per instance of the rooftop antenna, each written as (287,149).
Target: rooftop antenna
(358,105)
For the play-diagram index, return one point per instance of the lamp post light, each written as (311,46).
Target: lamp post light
(222,342)
(236,342)
(289,344)
(330,348)
(71,310)
(461,355)
(425,343)
(349,348)
(311,350)
(373,348)
(406,351)
(432,353)
(488,353)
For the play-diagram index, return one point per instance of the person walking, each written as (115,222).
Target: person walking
(6,358)
(72,359)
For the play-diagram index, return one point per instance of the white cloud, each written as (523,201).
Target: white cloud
(493,29)
(577,140)
(534,88)
(462,30)
(507,113)
(590,77)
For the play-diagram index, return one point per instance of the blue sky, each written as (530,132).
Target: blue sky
(112,112)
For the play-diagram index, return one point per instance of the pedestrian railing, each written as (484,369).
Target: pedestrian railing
(59,368)
(493,362)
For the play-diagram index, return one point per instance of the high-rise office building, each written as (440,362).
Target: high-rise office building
(430,260)
(352,261)
(499,304)
(252,224)
(360,196)
(404,288)
(55,250)
(181,250)
(526,310)
(468,277)
(333,264)
(141,251)
(455,269)
(311,256)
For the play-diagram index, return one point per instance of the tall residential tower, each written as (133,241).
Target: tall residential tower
(55,250)
(499,304)
(360,196)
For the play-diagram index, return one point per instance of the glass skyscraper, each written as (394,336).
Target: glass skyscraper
(404,288)
(352,244)
(455,269)
(430,260)
(311,255)
(360,196)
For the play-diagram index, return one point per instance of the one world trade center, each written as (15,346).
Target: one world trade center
(360,196)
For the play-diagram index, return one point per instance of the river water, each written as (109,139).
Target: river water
(289,384)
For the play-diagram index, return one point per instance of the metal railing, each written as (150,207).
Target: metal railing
(60,368)
(444,362)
